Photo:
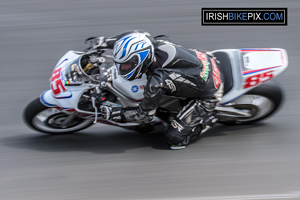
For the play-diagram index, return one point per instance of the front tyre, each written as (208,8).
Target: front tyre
(260,102)
(52,121)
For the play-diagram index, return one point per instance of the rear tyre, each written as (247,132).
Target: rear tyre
(260,102)
(41,118)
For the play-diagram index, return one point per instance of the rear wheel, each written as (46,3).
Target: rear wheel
(257,104)
(52,121)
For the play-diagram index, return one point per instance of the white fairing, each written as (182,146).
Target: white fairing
(252,67)
(134,90)
(68,96)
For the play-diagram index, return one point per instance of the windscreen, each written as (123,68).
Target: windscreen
(75,75)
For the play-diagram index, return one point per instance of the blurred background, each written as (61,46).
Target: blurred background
(104,162)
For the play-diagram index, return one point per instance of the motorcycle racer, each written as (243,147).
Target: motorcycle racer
(171,70)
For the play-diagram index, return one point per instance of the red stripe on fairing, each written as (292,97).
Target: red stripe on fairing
(139,100)
(258,70)
(66,109)
(71,110)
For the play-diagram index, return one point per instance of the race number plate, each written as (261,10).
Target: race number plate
(57,85)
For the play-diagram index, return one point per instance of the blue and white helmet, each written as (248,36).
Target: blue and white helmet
(133,54)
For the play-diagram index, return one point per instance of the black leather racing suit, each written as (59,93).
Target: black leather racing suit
(179,72)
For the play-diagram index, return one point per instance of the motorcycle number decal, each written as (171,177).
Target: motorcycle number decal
(258,78)
(57,85)
(216,74)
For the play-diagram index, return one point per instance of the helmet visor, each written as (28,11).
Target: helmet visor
(127,67)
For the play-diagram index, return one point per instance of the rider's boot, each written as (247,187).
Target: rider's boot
(193,119)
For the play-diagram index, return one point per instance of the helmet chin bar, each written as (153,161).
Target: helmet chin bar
(133,74)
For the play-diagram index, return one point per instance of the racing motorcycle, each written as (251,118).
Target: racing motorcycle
(82,82)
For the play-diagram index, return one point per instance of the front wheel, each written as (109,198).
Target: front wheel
(257,104)
(52,121)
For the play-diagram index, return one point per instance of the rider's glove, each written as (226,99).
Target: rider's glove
(112,113)
(137,114)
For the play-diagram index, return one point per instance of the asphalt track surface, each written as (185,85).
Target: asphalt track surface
(260,161)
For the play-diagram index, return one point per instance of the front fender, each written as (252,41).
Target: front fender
(47,99)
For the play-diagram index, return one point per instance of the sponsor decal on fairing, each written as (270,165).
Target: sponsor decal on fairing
(135,89)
